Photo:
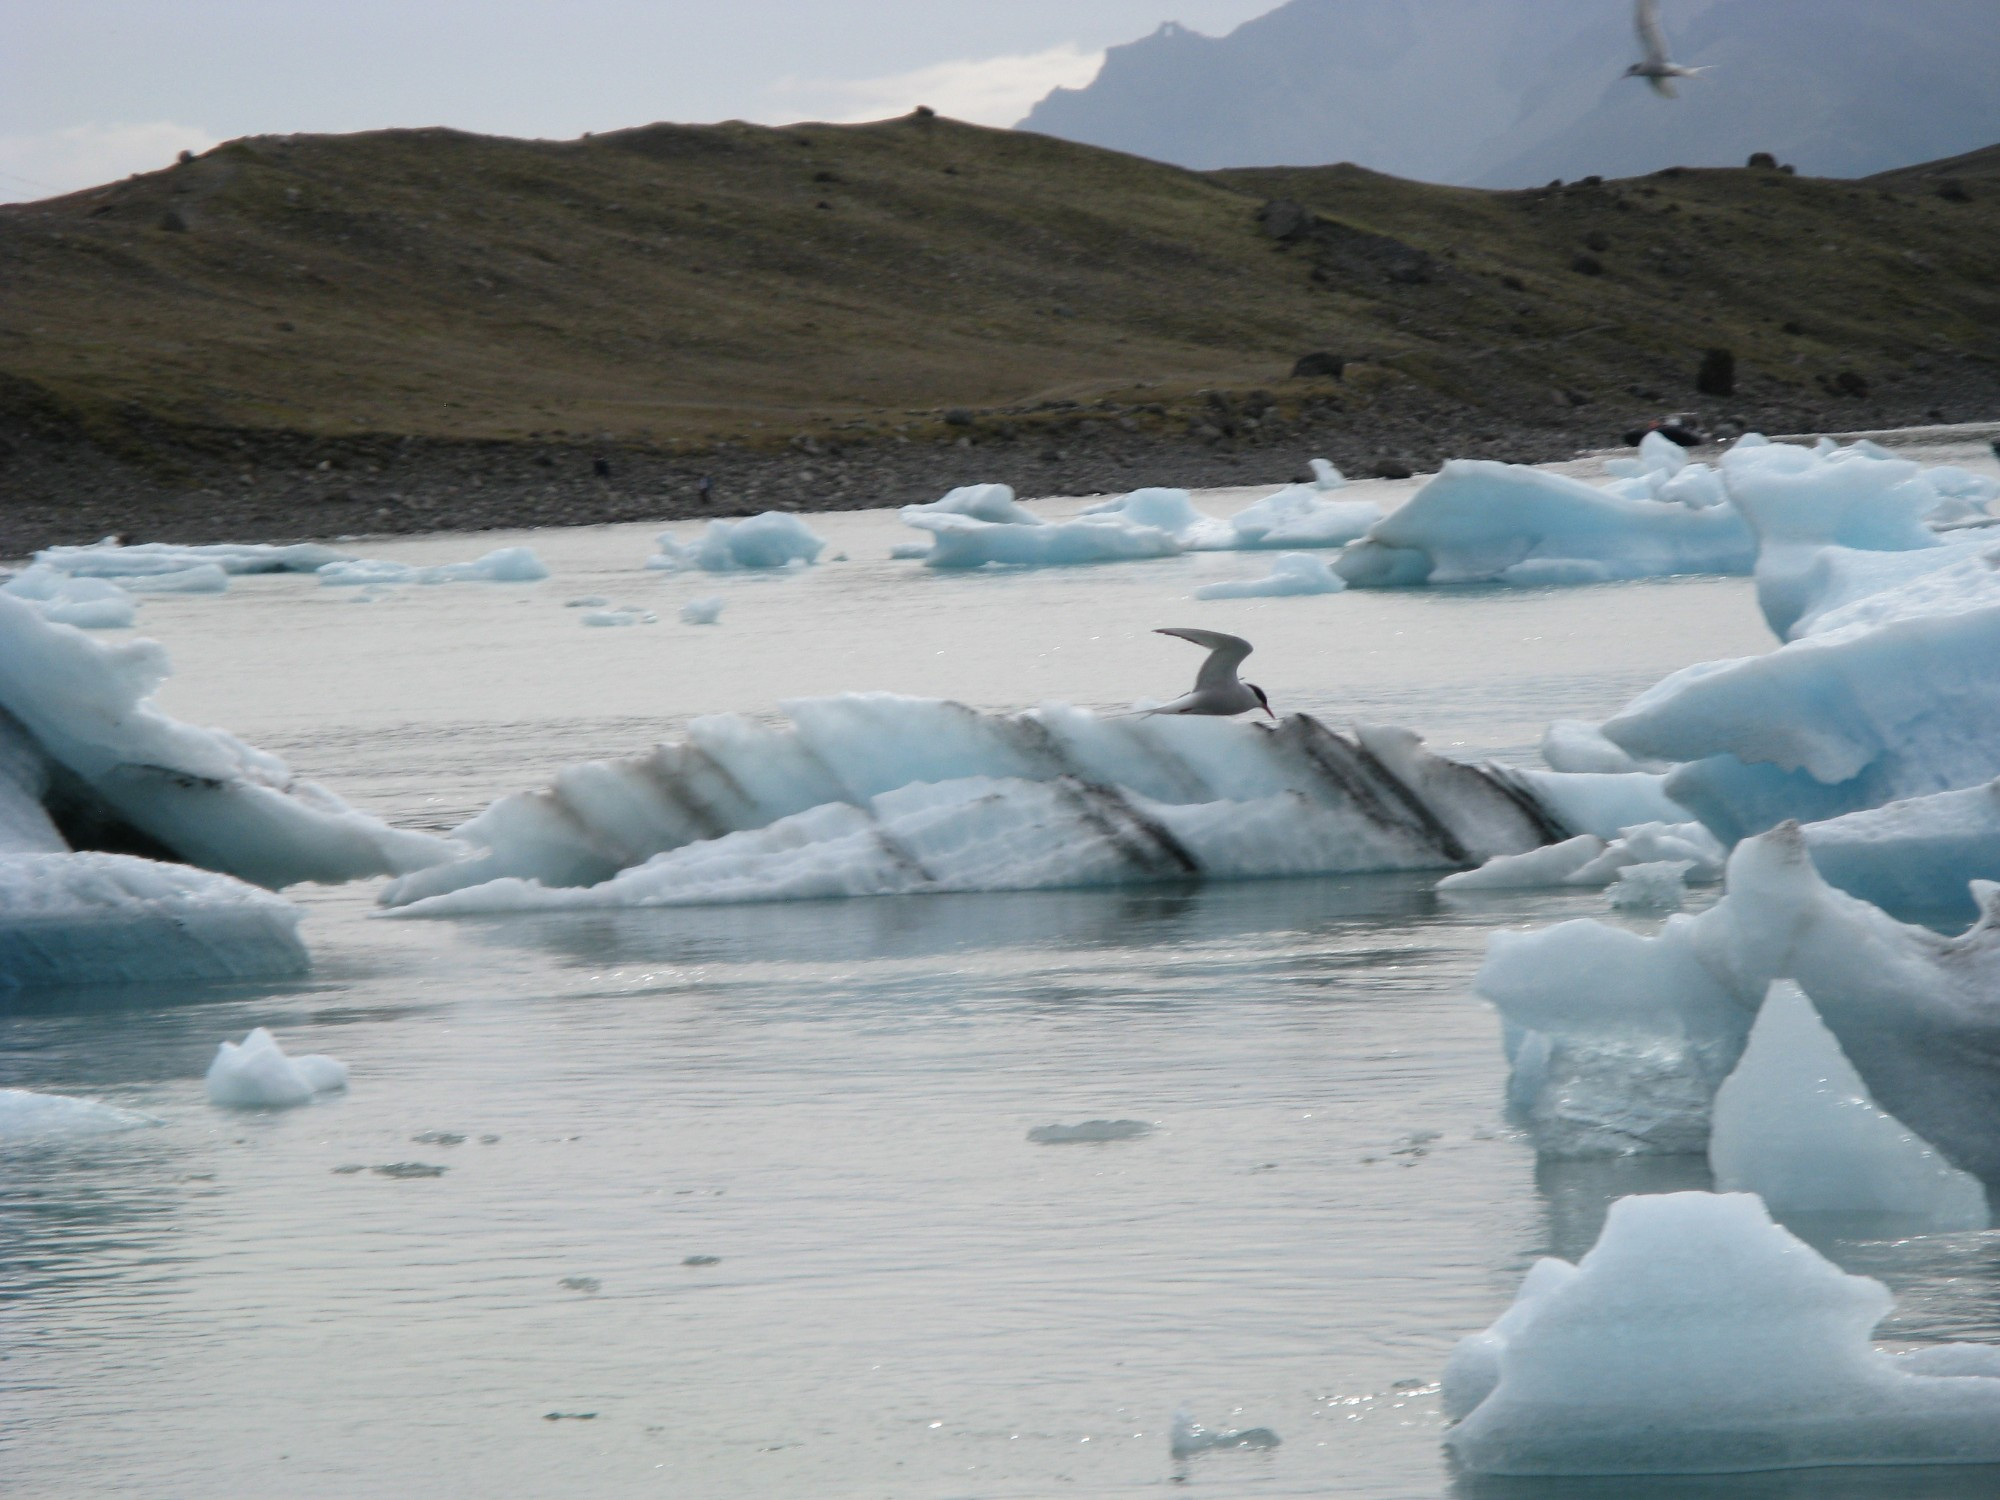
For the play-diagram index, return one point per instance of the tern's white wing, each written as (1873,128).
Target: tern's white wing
(1664,86)
(1225,654)
(1651,37)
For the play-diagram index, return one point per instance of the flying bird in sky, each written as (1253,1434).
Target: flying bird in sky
(1658,69)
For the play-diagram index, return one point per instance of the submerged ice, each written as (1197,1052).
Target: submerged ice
(1699,1337)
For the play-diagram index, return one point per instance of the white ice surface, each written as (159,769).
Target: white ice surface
(1484,522)
(774,539)
(84,602)
(213,800)
(1657,885)
(503,565)
(877,793)
(1619,1041)
(1699,1337)
(1291,573)
(256,1074)
(1795,1125)
(81,919)
(963,541)
(29,1117)
(705,611)
(1590,860)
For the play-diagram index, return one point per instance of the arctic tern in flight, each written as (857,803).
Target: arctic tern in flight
(1216,689)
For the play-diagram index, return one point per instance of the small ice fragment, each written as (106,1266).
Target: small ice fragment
(588,601)
(1659,886)
(438,1138)
(702,611)
(408,1169)
(258,1075)
(621,617)
(1190,1437)
(349,1170)
(1089,1132)
(701,1260)
(569,1416)
(581,1284)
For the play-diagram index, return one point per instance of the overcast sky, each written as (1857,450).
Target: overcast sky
(93,89)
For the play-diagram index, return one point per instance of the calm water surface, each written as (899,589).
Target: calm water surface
(907,1297)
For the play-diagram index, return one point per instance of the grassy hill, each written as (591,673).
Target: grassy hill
(668,288)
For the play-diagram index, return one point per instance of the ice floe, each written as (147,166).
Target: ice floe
(1590,860)
(704,611)
(503,565)
(1659,885)
(1089,1132)
(1619,1041)
(79,724)
(1291,573)
(1795,1125)
(110,559)
(29,1117)
(1699,1337)
(256,1074)
(877,794)
(616,617)
(774,539)
(1922,854)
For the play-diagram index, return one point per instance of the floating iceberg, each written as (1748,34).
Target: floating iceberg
(1170,511)
(1089,1132)
(503,565)
(1659,885)
(257,1074)
(876,794)
(84,741)
(615,617)
(26,1116)
(1301,515)
(702,611)
(1619,1042)
(1891,696)
(1485,522)
(86,603)
(1291,573)
(1795,1125)
(81,919)
(963,541)
(775,539)
(1923,854)
(202,578)
(982,502)
(108,559)
(1699,1337)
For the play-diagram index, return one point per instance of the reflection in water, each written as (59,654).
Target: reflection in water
(1577,1194)
(892,928)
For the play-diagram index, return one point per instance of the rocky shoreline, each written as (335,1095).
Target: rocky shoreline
(63,483)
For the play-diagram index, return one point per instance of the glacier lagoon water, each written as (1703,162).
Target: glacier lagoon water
(741,1201)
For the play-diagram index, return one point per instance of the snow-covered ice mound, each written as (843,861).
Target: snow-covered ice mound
(108,559)
(1485,522)
(1697,1337)
(774,539)
(1291,573)
(503,565)
(256,1074)
(29,1117)
(78,919)
(1891,695)
(1795,1125)
(1619,1041)
(80,737)
(876,794)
